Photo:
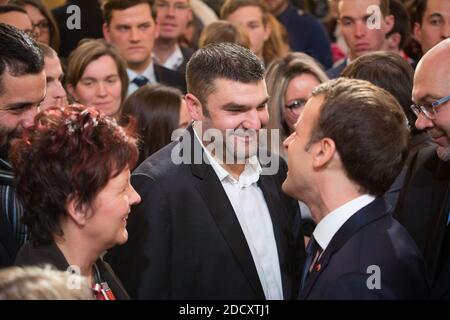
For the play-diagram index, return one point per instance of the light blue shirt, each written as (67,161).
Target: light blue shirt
(149,73)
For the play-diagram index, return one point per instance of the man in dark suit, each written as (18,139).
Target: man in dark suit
(359,26)
(349,145)
(213,222)
(129,25)
(22,83)
(424,203)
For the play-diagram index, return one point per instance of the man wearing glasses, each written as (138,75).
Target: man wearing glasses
(425,202)
(172,16)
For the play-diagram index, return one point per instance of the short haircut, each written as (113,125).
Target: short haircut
(156,108)
(12,8)
(224,31)
(384,7)
(109,6)
(69,153)
(389,71)
(369,129)
(47,51)
(221,61)
(89,50)
(402,24)
(421,7)
(20,56)
(42,283)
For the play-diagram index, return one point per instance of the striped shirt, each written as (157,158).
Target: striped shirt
(10,206)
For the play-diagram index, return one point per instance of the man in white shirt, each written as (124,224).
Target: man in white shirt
(212,227)
(349,145)
(129,25)
(172,17)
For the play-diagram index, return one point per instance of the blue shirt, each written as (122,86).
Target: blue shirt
(306,34)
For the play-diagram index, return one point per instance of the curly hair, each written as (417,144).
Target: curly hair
(68,154)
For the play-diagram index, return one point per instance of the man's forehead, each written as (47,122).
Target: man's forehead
(140,13)
(352,8)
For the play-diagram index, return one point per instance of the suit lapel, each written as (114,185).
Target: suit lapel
(223,213)
(363,217)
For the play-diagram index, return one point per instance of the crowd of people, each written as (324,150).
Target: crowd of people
(246,149)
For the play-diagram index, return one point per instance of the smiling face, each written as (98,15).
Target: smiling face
(18,103)
(110,210)
(238,110)
(297,93)
(100,86)
(251,19)
(133,32)
(299,177)
(361,38)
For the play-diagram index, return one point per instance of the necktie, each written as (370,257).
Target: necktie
(312,252)
(140,81)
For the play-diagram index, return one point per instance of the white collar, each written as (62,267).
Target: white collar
(332,222)
(175,59)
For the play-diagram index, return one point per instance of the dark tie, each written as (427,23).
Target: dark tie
(313,250)
(140,81)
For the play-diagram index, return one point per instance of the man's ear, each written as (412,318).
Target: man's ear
(106,34)
(389,22)
(323,152)
(418,32)
(194,107)
(393,41)
(78,213)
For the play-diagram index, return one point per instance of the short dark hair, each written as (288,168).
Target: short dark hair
(6,8)
(421,6)
(389,71)
(69,153)
(156,108)
(223,60)
(19,54)
(109,6)
(369,129)
(402,23)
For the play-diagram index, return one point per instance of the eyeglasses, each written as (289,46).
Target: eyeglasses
(178,6)
(296,105)
(42,25)
(429,109)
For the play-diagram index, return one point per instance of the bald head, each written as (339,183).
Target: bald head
(432,83)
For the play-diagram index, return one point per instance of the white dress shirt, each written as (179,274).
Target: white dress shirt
(175,59)
(254,218)
(149,73)
(330,225)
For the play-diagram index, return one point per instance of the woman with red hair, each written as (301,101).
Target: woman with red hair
(72,171)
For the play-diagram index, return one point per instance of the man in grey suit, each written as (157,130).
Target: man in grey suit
(213,222)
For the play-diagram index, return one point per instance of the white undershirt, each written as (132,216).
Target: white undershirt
(253,215)
(175,59)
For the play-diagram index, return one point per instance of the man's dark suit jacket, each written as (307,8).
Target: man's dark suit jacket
(335,72)
(423,209)
(185,241)
(371,237)
(170,78)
